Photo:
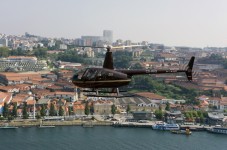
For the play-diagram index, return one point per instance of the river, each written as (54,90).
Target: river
(106,138)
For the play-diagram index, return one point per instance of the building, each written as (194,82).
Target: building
(108,36)
(71,96)
(3,42)
(142,115)
(215,118)
(63,47)
(22,59)
(90,40)
(102,107)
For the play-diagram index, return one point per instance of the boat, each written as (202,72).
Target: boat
(88,124)
(41,126)
(165,126)
(44,126)
(186,132)
(8,127)
(218,129)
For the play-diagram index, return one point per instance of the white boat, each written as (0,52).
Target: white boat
(41,126)
(165,126)
(218,129)
(8,127)
(44,126)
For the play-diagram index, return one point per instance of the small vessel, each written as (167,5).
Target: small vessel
(186,132)
(165,126)
(44,126)
(88,124)
(218,129)
(41,126)
(6,126)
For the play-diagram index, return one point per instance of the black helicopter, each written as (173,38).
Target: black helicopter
(107,77)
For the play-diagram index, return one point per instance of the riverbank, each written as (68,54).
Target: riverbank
(29,123)
(90,123)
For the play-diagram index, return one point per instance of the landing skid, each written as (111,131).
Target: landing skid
(111,96)
(115,93)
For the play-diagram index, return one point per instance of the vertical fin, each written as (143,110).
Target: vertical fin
(108,62)
(189,68)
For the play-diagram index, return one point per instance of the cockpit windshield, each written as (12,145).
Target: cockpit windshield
(78,75)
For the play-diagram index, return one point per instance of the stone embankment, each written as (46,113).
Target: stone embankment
(28,123)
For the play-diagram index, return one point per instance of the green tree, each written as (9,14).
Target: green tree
(113,109)
(137,66)
(43,111)
(4,52)
(70,109)
(92,109)
(61,111)
(52,111)
(5,110)
(167,106)
(86,110)
(24,111)
(14,112)
(40,52)
(158,114)
(187,116)
(122,59)
(201,119)
(128,109)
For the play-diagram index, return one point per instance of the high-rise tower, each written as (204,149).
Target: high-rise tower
(108,36)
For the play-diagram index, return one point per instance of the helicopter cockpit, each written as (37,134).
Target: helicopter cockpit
(97,74)
(78,75)
(86,74)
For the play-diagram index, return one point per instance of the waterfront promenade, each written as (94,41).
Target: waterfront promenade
(29,123)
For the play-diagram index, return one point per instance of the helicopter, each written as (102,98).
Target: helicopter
(107,77)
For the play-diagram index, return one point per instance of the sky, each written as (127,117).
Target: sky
(194,23)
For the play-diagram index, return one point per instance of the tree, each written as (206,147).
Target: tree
(122,59)
(137,66)
(40,52)
(128,109)
(24,111)
(201,117)
(70,109)
(86,110)
(43,111)
(158,114)
(113,109)
(4,52)
(52,111)
(92,109)
(61,111)
(167,106)
(14,112)
(5,110)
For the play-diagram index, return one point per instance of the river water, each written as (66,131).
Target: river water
(106,138)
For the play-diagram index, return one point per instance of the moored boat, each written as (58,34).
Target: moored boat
(218,129)
(165,126)
(186,132)
(8,127)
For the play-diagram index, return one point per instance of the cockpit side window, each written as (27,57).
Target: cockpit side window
(90,74)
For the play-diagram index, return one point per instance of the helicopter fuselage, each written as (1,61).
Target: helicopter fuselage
(100,78)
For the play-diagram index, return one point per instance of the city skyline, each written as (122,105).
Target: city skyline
(173,23)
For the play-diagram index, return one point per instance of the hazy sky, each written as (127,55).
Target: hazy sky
(171,22)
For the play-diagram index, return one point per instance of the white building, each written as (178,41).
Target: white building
(63,47)
(108,36)
(3,42)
